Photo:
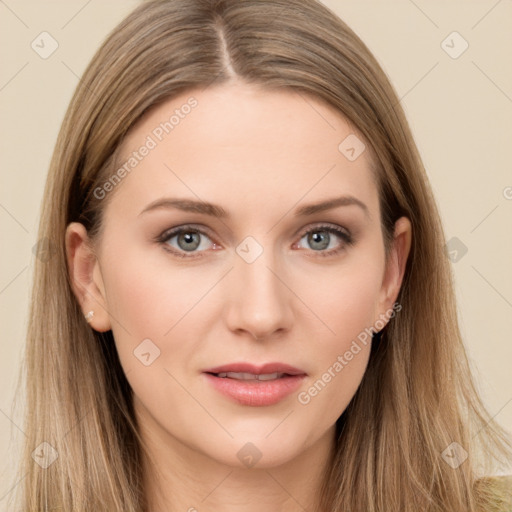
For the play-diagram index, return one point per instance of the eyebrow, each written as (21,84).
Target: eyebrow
(193,206)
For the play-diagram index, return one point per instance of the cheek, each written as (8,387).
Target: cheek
(150,298)
(151,306)
(344,299)
(346,303)
(148,293)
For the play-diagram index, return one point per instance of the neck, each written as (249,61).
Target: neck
(178,478)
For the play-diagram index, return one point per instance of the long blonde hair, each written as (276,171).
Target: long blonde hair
(417,396)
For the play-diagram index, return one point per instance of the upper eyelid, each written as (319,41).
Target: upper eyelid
(172,232)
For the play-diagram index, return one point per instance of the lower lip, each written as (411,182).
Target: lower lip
(256,392)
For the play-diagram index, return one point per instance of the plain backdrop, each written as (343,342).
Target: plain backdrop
(458,101)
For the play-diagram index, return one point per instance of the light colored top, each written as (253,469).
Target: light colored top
(501,487)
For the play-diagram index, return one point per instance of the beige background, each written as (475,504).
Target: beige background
(460,111)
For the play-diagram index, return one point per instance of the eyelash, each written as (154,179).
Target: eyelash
(171,233)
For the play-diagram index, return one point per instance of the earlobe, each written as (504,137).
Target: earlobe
(85,277)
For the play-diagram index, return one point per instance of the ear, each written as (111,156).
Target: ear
(85,276)
(397,261)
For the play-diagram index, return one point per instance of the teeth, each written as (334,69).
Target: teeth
(250,376)
(269,376)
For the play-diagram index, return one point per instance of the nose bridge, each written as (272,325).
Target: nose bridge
(261,303)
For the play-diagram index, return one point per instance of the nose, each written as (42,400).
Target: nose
(260,303)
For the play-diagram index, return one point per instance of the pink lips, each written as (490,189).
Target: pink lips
(256,392)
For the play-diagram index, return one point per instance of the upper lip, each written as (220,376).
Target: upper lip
(256,370)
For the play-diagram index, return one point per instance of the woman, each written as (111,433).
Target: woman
(249,304)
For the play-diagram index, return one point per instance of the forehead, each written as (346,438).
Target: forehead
(245,146)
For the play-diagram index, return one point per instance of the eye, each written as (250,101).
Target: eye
(320,238)
(190,241)
(185,239)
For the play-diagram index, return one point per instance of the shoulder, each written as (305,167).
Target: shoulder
(499,489)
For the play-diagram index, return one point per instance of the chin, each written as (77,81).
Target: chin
(257,451)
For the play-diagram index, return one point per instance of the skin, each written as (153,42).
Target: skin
(259,155)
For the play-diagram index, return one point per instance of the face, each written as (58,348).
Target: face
(241,322)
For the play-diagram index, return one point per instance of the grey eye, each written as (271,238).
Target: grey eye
(318,239)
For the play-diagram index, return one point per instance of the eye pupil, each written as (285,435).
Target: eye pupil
(191,238)
(317,238)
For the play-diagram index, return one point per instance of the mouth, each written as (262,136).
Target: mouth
(250,385)
(250,376)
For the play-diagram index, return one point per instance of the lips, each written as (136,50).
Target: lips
(252,385)
(252,369)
